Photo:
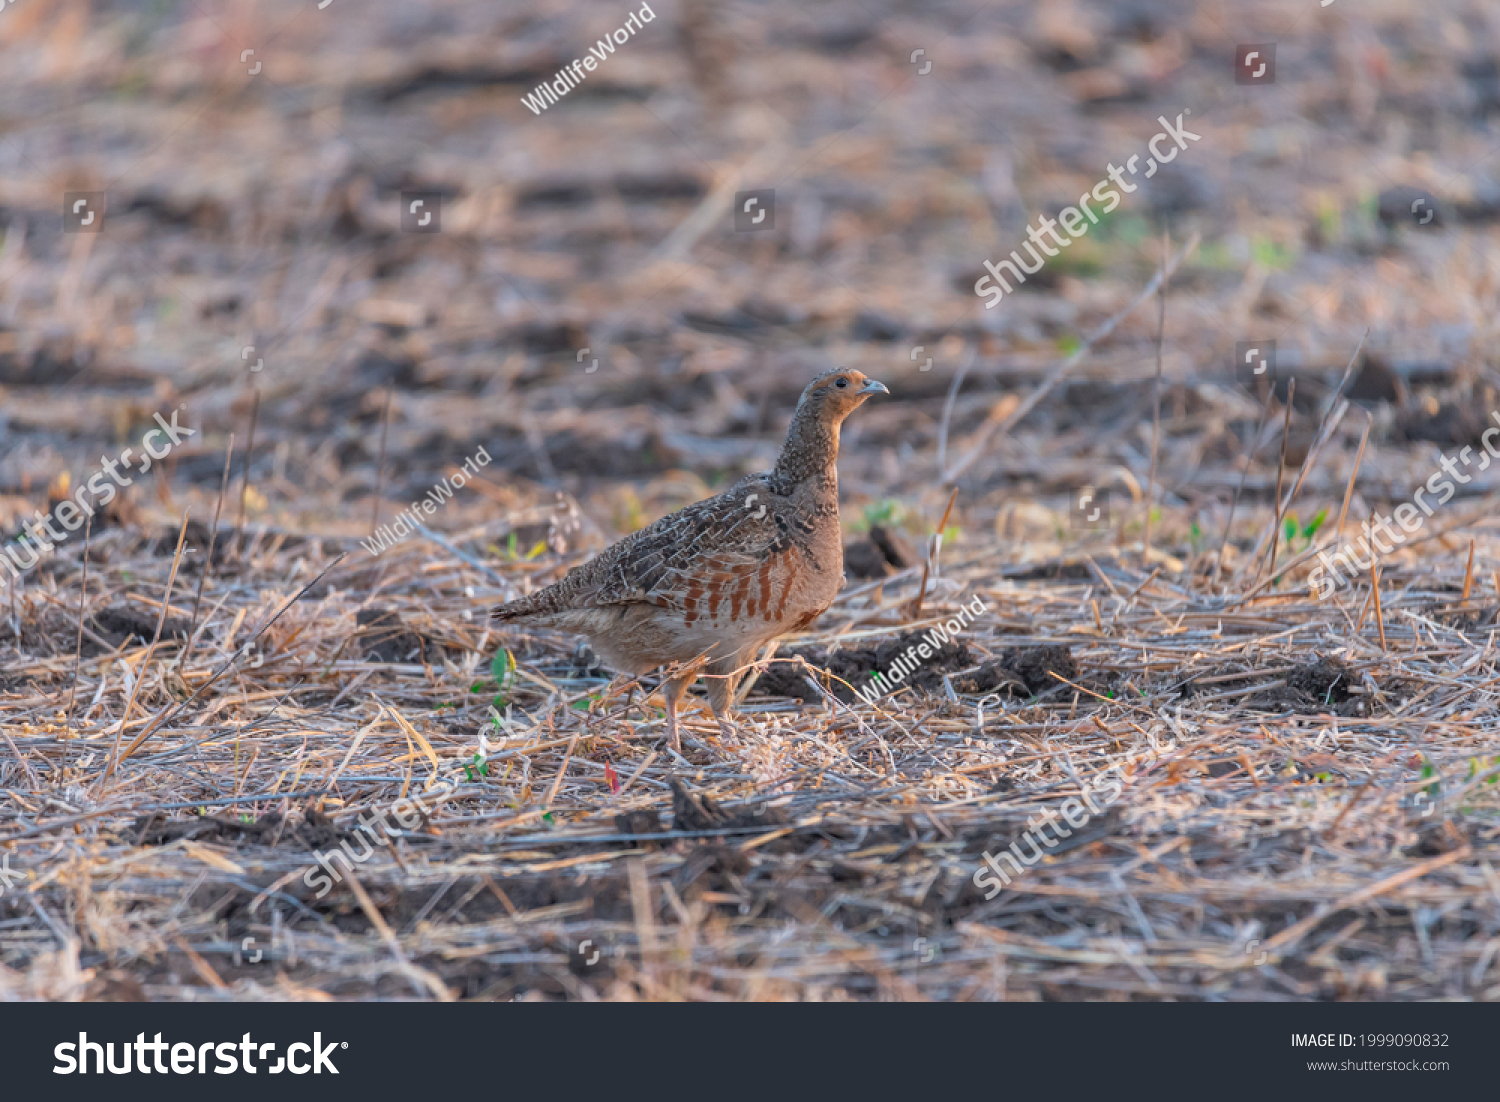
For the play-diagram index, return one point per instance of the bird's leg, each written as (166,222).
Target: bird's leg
(672,692)
(763,663)
(725,674)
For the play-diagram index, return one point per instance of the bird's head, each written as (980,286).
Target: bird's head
(836,394)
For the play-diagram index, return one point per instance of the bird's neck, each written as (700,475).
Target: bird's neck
(810,454)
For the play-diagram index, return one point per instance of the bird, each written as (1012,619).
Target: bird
(719,579)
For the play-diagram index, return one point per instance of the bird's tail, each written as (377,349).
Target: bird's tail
(518,609)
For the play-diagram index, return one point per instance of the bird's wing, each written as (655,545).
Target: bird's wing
(718,543)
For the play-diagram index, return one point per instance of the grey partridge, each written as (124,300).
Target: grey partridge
(724,576)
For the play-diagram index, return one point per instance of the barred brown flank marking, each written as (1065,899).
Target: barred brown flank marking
(786,586)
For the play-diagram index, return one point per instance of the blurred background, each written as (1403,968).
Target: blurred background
(589,313)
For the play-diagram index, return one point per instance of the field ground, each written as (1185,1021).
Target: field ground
(1306,803)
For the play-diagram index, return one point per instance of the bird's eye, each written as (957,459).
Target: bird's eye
(842,383)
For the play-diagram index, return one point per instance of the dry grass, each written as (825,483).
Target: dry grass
(1285,799)
(1308,781)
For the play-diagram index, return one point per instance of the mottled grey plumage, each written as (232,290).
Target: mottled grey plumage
(722,577)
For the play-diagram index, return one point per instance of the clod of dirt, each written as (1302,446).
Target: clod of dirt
(857,666)
(1020,670)
(385,637)
(1376,381)
(115,986)
(197,539)
(881,554)
(1449,426)
(863,560)
(710,866)
(700,811)
(1049,572)
(314,831)
(876,328)
(637,822)
(1467,620)
(1325,681)
(1439,838)
(119,624)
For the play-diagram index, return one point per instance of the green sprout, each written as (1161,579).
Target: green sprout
(587,702)
(476,765)
(502,669)
(886,513)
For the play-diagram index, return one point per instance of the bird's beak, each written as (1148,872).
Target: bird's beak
(872,387)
